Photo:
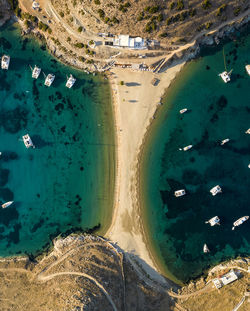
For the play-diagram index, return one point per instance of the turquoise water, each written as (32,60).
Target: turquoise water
(216,111)
(67,181)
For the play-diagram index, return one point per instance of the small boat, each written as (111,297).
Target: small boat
(183,110)
(27,141)
(7,204)
(240,221)
(215,190)
(70,81)
(187,147)
(180,193)
(5,62)
(225,76)
(248,69)
(248,165)
(248,131)
(49,79)
(205,249)
(224,141)
(35,72)
(213,221)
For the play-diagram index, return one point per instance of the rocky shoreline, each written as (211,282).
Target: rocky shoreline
(5,13)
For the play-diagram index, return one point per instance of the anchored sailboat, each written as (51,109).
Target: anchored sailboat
(225,75)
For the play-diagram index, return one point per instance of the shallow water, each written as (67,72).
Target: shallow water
(66,182)
(217,111)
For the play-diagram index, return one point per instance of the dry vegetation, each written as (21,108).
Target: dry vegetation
(165,20)
(79,274)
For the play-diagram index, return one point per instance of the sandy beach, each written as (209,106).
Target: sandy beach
(135,103)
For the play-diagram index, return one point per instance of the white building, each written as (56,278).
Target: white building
(225,279)
(125,41)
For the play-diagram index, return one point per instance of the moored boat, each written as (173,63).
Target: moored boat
(36,72)
(5,62)
(187,147)
(248,69)
(183,110)
(205,248)
(180,193)
(225,76)
(7,204)
(70,81)
(247,131)
(215,190)
(49,79)
(240,221)
(27,141)
(224,141)
(213,221)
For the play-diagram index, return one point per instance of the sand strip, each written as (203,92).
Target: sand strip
(135,104)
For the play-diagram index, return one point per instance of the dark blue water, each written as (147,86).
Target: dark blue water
(216,111)
(67,181)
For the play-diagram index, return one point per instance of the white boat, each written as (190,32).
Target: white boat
(225,76)
(70,81)
(187,147)
(180,193)
(183,110)
(240,221)
(5,62)
(205,249)
(36,72)
(248,131)
(215,190)
(248,165)
(7,204)
(27,141)
(224,141)
(248,69)
(49,79)
(213,221)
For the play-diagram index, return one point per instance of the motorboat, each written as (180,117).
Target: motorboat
(205,249)
(225,76)
(213,221)
(248,165)
(49,79)
(248,69)
(36,72)
(27,141)
(70,81)
(240,221)
(5,62)
(187,147)
(224,141)
(7,204)
(248,131)
(215,190)
(183,110)
(180,193)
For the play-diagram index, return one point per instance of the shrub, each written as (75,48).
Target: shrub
(208,25)
(79,45)
(106,19)
(81,58)
(42,26)
(121,82)
(206,4)
(115,20)
(192,12)
(140,16)
(79,29)
(90,61)
(61,14)
(163,35)
(180,5)
(68,39)
(172,5)
(97,2)
(50,31)
(221,9)
(26,23)
(150,26)
(160,17)
(169,21)
(237,11)
(101,13)
(91,42)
